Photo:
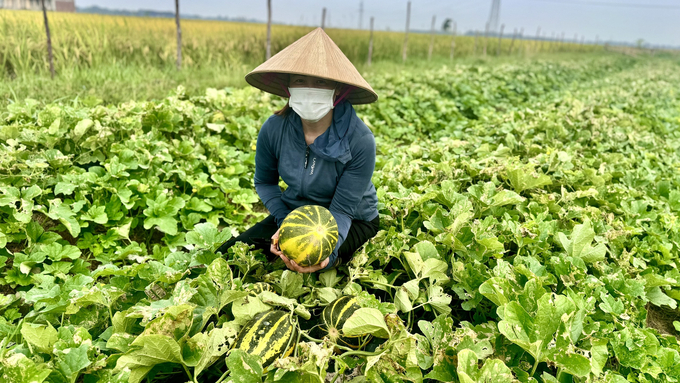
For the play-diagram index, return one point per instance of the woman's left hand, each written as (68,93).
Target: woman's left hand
(300,269)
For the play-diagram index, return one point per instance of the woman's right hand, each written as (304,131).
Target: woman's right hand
(274,247)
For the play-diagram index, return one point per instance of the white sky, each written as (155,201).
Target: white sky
(655,21)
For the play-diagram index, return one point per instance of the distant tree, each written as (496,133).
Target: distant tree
(446,26)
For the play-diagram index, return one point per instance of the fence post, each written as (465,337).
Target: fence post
(49,40)
(370,44)
(500,38)
(512,43)
(486,38)
(323,18)
(429,52)
(453,40)
(269,29)
(408,19)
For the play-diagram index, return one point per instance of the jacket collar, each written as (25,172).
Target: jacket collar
(333,144)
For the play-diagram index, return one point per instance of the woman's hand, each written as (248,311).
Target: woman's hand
(300,269)
(274,247)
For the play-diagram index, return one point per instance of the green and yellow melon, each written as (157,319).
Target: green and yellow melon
(270,335)
(334,317)
(259,287)
(308,235)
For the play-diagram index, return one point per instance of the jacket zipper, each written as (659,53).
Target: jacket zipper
(304,173)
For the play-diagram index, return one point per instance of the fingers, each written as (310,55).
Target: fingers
(292,265)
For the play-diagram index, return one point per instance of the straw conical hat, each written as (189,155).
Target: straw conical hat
(315,54)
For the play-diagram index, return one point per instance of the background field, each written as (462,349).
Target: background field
(116,58)
(529,215)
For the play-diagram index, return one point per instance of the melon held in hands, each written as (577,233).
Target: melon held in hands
(308,235)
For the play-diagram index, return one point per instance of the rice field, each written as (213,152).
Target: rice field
(86,41)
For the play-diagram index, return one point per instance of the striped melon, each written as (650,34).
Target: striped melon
(308,235)
(334,316)
(259,287)
(269,335)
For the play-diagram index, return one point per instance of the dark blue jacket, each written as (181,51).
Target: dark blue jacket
(337,175)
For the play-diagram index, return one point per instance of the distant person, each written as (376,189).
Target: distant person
(317,145)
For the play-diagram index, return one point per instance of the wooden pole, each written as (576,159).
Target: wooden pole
(512,43)
(179,36)
(583,43)
(500,38)
(429,52)
(453,40)
(486,38)
(474,52)
(323,18)
(408,20)
(370,44)
(538,39)
(520,43)
(269,29)
(49,40)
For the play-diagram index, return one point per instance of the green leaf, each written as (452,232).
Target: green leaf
(506,197)
(149,351)
(244,309)
(73,360)
(39,336)
(17,368)
(96,214)
(600,355)
(329,278)
(57,252)
(426,250)
(64,188)
(64,214)
(217,343)
(205,236)
(439,300)
(81,128)
(366,321)
(580,243)
(291,284)
(244,368)
(657,297)
(493,370)
(526,178)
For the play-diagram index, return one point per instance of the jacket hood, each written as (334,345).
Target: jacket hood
(333,144)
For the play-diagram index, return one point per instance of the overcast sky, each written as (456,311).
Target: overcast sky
(655,21)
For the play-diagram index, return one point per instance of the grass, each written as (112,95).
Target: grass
(117,58)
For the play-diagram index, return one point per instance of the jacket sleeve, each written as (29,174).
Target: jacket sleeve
(267,174)
(351,187)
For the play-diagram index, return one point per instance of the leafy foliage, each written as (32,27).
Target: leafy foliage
(528,222)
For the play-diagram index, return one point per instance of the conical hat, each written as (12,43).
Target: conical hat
(315,54)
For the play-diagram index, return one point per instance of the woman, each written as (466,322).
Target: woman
(317,145)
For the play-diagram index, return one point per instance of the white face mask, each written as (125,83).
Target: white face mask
(311,104)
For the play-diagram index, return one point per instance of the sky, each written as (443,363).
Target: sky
(655,21)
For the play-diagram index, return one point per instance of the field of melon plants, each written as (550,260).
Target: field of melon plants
(529,233)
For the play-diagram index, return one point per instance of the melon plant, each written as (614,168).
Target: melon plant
(308,235)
